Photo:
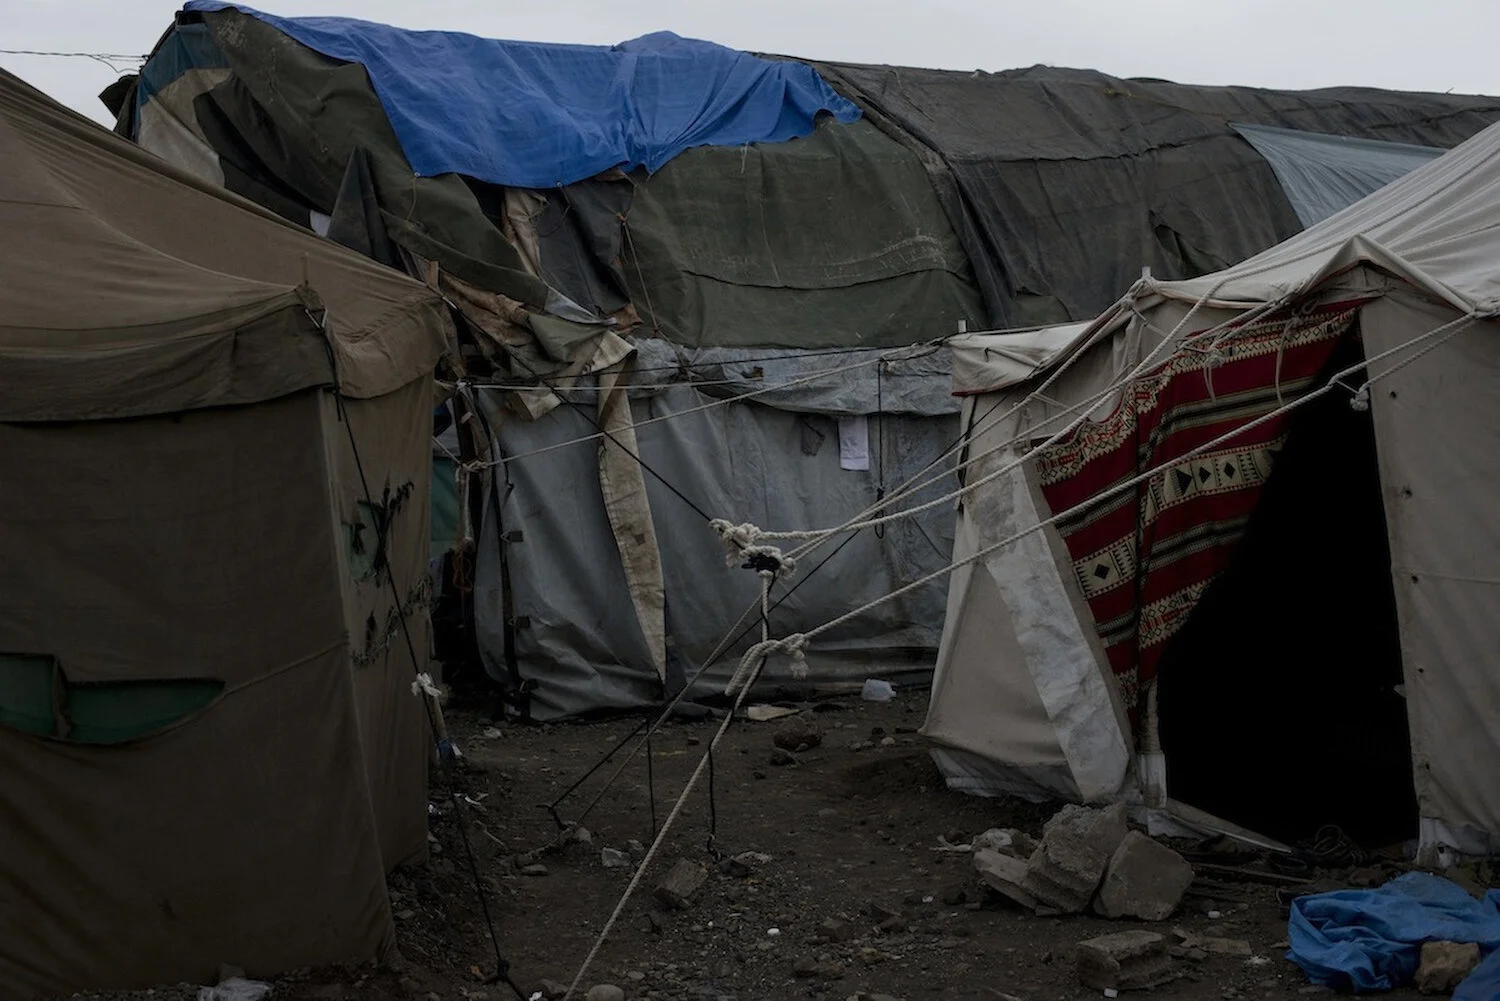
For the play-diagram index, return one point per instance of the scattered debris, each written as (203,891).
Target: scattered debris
(765,713)
(1445,965)
(613,858)
(742,865)
(1004,874)
(1077,845)
(1144,880)
(1127,960)
(235,989)
(797,739)
(683,881)
(876,690)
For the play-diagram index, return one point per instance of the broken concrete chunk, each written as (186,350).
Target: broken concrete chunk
(1224,946)
(1068,866)
(1004,874)
(835,930)
(1127,960)
(1445,965)
(681,883)
(1144,880)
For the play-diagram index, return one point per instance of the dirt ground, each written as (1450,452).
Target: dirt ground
(850,829)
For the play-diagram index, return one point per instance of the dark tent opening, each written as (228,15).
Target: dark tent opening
(1278,701)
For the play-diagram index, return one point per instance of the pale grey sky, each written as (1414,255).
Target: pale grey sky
(1436,45)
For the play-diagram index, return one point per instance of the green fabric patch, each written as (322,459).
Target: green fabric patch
(36,698)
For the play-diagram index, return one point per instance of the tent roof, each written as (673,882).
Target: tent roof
(1438,228)
(133,288)
(987,363)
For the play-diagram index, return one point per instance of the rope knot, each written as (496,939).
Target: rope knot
(737,539)
(794,646)
(1361,400)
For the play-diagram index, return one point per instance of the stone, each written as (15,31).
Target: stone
(798,739)
(551,990)
(1006,841)
(536,869)
(1067,867)
(605,992)
(807,968)
(893,924)
(582,836)
(781,757)
(683,881)
(1224,946)
(888,742)
(1127,960)
(835,930)
(613,858)
(635,848)
(1005,875)
(1144,880)
(882,912)
(1445,965)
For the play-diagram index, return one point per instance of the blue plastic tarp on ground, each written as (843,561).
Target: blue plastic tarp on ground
(1371,940)
(535,115)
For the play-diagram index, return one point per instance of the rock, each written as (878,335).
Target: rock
(893,924)
(781,756)
(582,836)
(1144,880)
(613,858)
(1067,867)
(683,881)
(956,895)
(888,742)
(635,848)
(551,990)
(1006,841)
(807,968)
(1005,875)
(797,738)
(1127,960)
(835,930)
(882,912)
(635,976)
(1224,946)
(1445,965)
(860,745)
(605,992)
(536,869)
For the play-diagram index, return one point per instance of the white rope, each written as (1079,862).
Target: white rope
(661,835)
(800,640)
(1081,411)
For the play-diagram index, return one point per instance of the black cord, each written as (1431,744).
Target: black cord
(651,783)
(382,527)
(561,395)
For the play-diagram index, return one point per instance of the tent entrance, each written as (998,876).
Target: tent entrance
(1279,706)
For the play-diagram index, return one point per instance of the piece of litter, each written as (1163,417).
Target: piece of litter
(1257,961)
(1110,992)
(764,713)
(772,932)
(235,989)
(876,690)
(491,733)
(1215,915)
(926,900)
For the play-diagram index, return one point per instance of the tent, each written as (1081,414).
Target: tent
(755,319)
(1267,558)
(215,434)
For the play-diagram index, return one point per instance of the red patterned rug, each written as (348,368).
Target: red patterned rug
(1144,556)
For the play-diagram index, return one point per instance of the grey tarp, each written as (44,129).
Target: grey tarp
(837,239)
(1064,183)
(1324,174)
(743,461)
(213,542)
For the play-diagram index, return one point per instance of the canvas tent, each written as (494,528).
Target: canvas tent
(1283,624)
(778,267)
(209,749)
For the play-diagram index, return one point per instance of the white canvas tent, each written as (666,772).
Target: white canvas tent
(1030,696)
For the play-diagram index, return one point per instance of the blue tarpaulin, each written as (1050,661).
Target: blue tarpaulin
(1371,940)
(535,115)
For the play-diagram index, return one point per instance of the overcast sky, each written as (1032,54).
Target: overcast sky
(1435,45)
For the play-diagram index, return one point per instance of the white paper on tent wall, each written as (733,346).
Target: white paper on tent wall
(854,442)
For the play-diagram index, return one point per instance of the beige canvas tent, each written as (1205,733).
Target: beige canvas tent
(1257,592)
(209,749)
